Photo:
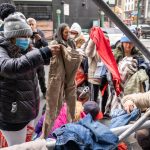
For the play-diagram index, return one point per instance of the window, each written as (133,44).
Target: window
(38,12)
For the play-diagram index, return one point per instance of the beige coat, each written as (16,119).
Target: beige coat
(141,100)
(93,58)
(61,86)
(33,145)
(135,83)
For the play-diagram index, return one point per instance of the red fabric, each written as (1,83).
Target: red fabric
(3,142)
(104,50)
(30,131)
(104,89)
(122,146)
(80,77)
(99,116)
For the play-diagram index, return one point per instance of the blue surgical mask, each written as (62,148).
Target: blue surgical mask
(23,43)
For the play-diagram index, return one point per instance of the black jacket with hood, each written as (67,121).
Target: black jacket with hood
(19,93)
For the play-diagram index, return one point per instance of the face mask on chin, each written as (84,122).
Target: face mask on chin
(23,43)
(72,36)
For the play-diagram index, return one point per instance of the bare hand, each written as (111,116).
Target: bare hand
(129,106)
(37,37)
(55,49)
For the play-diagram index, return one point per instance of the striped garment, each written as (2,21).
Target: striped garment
(127,67)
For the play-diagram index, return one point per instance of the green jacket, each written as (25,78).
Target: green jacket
(119,53)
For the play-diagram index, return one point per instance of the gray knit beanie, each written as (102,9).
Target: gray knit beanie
(15,24)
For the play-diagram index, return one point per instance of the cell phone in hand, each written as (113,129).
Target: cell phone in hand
(35,33)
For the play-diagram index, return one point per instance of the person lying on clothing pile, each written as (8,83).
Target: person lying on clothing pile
(141,101)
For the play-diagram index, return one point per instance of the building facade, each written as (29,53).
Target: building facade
(82,11)
(147,11)
(136,9)
(50,13)
(120,9)
(41,10)
(128,10)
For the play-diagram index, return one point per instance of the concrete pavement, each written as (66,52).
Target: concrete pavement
(146,42)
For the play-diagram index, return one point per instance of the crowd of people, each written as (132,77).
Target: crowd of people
(87,81)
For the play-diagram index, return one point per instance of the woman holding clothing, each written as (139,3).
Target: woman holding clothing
(19,93)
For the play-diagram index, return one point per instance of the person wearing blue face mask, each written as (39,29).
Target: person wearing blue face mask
(19,93)
(23,43)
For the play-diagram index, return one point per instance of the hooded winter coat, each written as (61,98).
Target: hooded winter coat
(119,53)
(76,27)
(19,93)
(141,100)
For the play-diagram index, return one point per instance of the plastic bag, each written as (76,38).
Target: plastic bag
(100,71)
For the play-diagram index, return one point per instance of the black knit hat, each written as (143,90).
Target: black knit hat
(92,108)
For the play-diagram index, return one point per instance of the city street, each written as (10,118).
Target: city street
(109,87)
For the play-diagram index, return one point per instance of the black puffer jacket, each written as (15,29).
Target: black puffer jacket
(19,93)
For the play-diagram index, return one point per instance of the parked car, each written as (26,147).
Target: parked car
(145,32)
(139,26)
(114,35)
(143,25)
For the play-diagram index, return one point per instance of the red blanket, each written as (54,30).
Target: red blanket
(104,50)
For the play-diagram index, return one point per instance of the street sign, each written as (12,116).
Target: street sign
(66,9)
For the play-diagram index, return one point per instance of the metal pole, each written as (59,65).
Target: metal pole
(119,130)
(58,12)
(135,126)
(105,8)
(138,14)
(58,19)
(64,18)
(102,18)
(64,13)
